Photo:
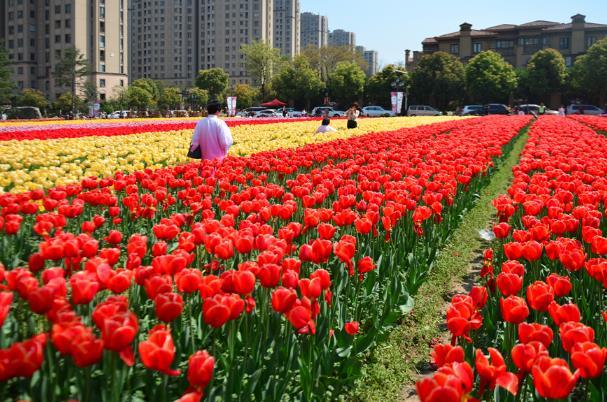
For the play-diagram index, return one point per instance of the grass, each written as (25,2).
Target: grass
(393,364)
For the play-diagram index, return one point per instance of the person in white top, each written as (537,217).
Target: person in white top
(325,127)
(212,135)
(352,114)
(562,111)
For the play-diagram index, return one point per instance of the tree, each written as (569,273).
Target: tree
(546,74)
(198,98)
(33,97)
(69,71)
(347,83)
(380,85)
(66,102)
(325,59)
(7,85)
(138,98)
(589,73)
(154,88)
(298,83)
(170,98)
(490,78)
(438,80)
(215,81)
(262,62)
(246,95)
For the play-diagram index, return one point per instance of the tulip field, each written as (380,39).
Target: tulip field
(534,326)
(130,273)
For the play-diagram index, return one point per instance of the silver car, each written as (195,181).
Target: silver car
(584,109)
(423,110)
(377,111)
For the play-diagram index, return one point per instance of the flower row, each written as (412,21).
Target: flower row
(539,308)
(267,276)
(27,165)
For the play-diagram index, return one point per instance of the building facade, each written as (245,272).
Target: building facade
(314,31)
(173,40)
(287,27)
(517,43)
(339,37)
(36,33)
(372,59)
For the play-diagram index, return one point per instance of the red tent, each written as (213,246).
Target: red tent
(274,103)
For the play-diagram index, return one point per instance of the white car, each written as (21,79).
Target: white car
(327,110)
(296,113)
(423,110)
(267,113)
(377,111)
(118,114)
(472,110)
(584,109)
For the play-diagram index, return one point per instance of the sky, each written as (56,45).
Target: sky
(391,26)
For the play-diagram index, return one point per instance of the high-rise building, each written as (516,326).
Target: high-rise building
(164,41)
(372,60)
(180,37)
(314,30)
(339,37)
(287,27)
(37,33)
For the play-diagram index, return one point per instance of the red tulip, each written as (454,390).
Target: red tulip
(443,353)
(539,295)
(244,282)
(283,299)
(352,327)
(514,309)
(200,369)
(168,306)
(575,332)
(451,383)
(560,284)
(535,332)
(84,287)
(158,351)
(509,284)
(6,299)
(524,355)
(26,357)
(589,359)
(501,230)
(494,373)
(552,378)
(565,313)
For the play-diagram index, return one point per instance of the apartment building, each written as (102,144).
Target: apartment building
(339,37)
(314,30)
(36,34)
(372,59)
(517,43)
(164,41)
(287,27)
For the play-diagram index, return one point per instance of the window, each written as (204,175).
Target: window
(57,38)
(57,24)
(68,38)
(68,8)
(590,40)
(476,47)
(68,23)
(454,48)
(102,83)
(564,43)
(57,9)
(568,61)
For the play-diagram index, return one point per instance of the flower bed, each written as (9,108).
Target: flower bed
(596,122)
(540,306)
(267,276)
(27,165)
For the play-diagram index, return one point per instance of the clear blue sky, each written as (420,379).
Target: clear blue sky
(391,26)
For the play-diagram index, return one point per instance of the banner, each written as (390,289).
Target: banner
(232,106)
(397,102)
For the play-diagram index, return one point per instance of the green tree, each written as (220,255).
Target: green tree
(7,85)
(197,98)
(246,95)
(139,99)
(170,99)
(90,91)
(490,78)
(154,88)
(66,102)
(347,83)
(298,83)
(326,59)
(589,73)
(380,85)
(438,80)
(546,74)
(262,62)
(33,97)
(215,81)
(70,70)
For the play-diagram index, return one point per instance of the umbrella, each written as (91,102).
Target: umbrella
(274,103)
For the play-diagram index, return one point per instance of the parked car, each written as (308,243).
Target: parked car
(23,112)
(535,109)
(326,110)
(377,111)
(584,109)
(268,113)
(119,114)
(295,113)
(251,111)
(496,108)
(471,110)
(423,110)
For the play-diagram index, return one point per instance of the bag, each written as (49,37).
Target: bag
(194,154)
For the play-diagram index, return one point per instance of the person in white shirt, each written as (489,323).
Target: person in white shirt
(212,135)
(352,114)
(325,127)
(562,111)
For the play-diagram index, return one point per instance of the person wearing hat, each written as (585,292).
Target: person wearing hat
(212,137)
